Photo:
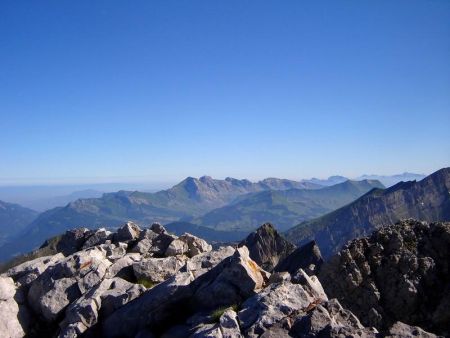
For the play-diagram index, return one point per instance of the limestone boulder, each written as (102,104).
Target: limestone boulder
(10,327)
(153,308)
(161,243)
(27,272)
(205,261)
(7,288)
(158,228)
(329,319)
(102,299)
(230,282)
(98,237)
(72,240)
(128,232)
(195,244)
(157,270)
(229,325)
(176,247)
(271,305)
(402,330)
(61,284)
(123,267)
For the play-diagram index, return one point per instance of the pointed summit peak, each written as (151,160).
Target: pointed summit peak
(267,229)
(189,179)
(267,247)
(205,179)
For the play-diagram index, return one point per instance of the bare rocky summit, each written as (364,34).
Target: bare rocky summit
(149,283)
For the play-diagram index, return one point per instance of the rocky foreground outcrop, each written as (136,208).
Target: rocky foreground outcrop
(148,283)
(399,273)
(93,274)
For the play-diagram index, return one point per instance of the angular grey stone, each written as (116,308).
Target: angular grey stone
(230,282)
(7,288)
(276,331)
(27,272)
(207,331)
(176,247)
(311,284)
(205,261)
(72,330)
(157,270)
(72,241)
(144,246)
(130,231)
(9,323)
(65,281)
(152,308)
(279,277)
(195,245)
(271,305)
(157,228)
(119,293)
(402,330)
(329,319)
(148,234)
(114,251)
(51,303)
(123,267)
(229,325)
(106,297)
(98,237)
(161,243)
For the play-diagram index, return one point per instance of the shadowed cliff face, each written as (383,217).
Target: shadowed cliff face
(399,273)
(427,200)
(306,257)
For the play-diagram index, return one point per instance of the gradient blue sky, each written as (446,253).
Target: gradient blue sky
(159,90)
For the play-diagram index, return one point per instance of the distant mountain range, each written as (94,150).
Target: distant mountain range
(332,180)
(428,200)
(284,208)
(391,180)
(13,219)
(190,198)
(229,205)
(386,180)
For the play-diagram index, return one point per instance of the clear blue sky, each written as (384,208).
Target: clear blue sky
(159,90)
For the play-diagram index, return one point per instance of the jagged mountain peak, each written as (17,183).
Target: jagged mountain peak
(267,247)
